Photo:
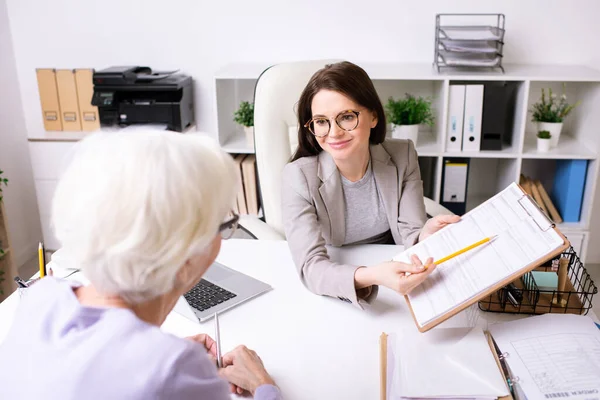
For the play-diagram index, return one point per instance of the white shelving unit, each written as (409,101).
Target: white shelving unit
(490,171)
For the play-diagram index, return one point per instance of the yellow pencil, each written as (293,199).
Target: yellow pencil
(459,252)
(41,260)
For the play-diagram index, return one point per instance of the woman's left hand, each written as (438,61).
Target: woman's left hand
(209,344)
(435,224)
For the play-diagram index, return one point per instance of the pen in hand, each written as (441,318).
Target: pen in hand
(218,341)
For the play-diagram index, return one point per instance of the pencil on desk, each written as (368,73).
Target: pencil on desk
(459,252)
(42,260)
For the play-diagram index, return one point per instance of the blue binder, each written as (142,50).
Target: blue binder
(567,191)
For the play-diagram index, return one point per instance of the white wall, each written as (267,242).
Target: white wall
(201,36)
(19,197)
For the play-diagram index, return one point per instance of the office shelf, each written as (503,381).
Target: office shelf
(568,148)
(490,171)
(237,144)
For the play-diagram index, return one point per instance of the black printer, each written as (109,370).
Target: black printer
(133,95)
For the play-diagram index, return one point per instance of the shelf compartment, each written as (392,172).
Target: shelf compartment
(581,125)
(545,170)
(487,177)
(568,148)
(430,139)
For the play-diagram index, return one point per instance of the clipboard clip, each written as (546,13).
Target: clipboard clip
(541,213)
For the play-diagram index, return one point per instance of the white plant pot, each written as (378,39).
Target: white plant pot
(249,131)
(410,132)
(543,145)
(554,128)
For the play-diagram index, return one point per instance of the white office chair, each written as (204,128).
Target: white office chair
(275,136)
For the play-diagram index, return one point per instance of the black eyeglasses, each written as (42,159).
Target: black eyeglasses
(320,125)
(228,228)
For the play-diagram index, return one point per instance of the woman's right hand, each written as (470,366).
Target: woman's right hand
(398,276)
(244,369)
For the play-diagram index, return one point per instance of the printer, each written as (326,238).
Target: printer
(136,95)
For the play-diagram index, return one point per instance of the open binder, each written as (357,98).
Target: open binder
(525,239)
(387,368)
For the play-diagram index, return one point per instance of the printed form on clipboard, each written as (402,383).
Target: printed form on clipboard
(525,238)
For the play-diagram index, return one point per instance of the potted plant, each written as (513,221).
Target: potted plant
(543,141)
(549,113)
(244,116)
(407,114)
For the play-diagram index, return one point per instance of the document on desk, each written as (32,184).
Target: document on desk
(523,236)
(553,356)
(452,363)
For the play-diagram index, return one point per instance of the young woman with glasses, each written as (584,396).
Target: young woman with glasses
(347,185)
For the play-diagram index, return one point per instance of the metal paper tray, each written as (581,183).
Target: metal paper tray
(452,59)
(474,32)
(470,46)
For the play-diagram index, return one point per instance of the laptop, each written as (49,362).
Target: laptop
(220,289)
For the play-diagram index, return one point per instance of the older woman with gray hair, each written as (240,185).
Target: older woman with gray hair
(140,214)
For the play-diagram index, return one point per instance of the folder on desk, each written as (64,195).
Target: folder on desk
(459,363)
(48,91)
(524,239)
(88,114)
(67,97)
(456,110)
(473,114)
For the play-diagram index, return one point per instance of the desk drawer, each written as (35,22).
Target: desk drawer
(48,159)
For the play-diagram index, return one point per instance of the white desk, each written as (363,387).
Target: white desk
(315,347)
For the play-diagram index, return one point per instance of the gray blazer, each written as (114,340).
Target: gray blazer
(313,213)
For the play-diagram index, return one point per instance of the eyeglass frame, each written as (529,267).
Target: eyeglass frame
(231,223)
(357,113)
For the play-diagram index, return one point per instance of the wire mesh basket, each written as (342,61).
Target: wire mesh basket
(524,296)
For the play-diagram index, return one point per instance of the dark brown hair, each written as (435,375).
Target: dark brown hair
(351,81)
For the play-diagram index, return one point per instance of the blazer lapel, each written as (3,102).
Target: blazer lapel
(333,197)
(386,177)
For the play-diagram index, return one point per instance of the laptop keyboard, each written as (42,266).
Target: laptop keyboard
(206,295)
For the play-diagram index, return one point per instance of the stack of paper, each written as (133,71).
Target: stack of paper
(443,364)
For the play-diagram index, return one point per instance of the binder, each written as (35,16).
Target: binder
(498,114)
(456,110)
(472,122)
(241,197)
(569,187)
(48,91)
(250,187)
(67,97)
(386,360)
(455,176)
(88,114)
(525,234)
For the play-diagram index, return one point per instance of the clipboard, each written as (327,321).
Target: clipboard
(529,204)
(383,364)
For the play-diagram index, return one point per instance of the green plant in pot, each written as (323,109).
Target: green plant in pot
(549,113)
(244,116)
(406,114)
(543,141)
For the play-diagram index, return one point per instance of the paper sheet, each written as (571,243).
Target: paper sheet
(522,237)
(553,356)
